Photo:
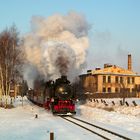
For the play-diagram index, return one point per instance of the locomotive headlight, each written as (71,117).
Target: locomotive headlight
(61,89)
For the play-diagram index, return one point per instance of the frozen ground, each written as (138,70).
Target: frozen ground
(117,117)
(20,124)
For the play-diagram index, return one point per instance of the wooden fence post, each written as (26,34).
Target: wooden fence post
(51,136)
(113,102)
(121,103)
(102,100)
(127,103)
(134,103)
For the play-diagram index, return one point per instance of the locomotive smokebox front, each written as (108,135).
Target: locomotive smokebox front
(63,88)
(63,92)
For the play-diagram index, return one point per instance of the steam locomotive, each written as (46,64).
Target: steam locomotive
(57,96)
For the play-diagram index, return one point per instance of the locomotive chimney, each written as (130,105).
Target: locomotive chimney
(129,62)
(63,76)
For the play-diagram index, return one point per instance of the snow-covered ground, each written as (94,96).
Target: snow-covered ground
(20,123)
(124,118)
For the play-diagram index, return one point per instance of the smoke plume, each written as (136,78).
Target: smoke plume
(56,46)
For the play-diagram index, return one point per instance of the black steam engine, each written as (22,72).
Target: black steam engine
(58,96)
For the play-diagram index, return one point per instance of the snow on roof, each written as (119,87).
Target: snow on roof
(115,70)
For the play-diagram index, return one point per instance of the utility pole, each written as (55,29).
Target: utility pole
(22,100)
(22,95)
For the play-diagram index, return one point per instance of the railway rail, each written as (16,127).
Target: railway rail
(102,132)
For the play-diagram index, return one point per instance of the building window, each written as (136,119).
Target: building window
(128,80)
(128,90)
(109,89)
(133,80)
(122,90)
(121,80)
(116,79)
(109,79)
(133,90)
(104,79)
(104,89)
(116,90)
(137,88)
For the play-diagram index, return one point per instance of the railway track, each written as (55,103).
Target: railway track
(102,132)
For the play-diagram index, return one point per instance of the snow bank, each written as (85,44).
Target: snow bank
(122,117)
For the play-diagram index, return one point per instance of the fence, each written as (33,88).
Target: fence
(113,95)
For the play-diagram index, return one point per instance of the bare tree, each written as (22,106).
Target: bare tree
(124,88)
(10,60)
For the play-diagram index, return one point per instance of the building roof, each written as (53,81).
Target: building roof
(114,70)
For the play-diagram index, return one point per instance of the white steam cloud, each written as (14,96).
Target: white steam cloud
(56,46)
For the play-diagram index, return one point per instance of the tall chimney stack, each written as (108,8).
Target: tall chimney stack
(129,62)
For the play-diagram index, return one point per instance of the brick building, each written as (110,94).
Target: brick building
(111,79)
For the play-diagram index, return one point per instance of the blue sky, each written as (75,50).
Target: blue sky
(115,25)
